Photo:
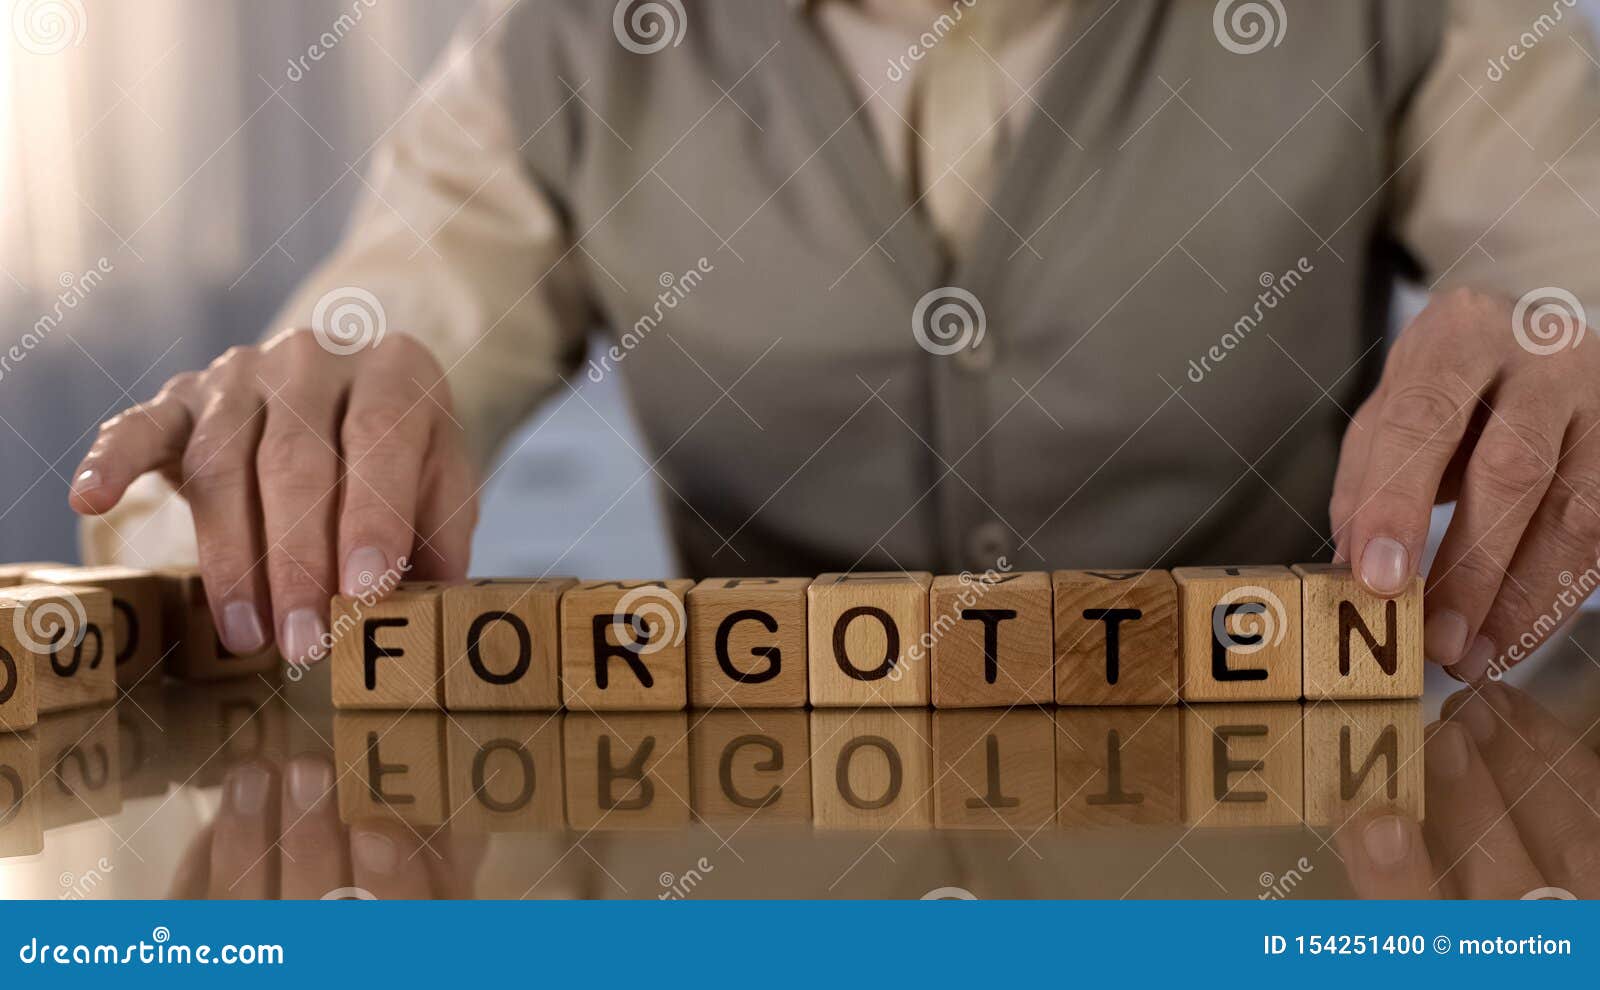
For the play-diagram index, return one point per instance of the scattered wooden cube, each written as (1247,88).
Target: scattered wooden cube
(391,765)
(749,767)
(502,644)
(1116,638)
(193,651)
(994,769)
(991,640)
(1119,766)
(871,769)
(65,632)
(21,833)
(504,771)
(143,722)
(747,643)
(137,635)
(622,645)
(1363,758)
(386,653)
(867,638)
(1358,645)
(1244,765)
(626,770)
(11,574)
(79,756)
(1240,633)
(19,701)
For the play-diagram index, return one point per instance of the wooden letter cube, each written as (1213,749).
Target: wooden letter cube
(21,833)
(505,772)
(65,632)
(193,651)
(622,646)
(1116,638)
(747,643)
(1244,765)
(138,638)
(1358,645)
(750,767)
(868,639)
(386,652)
(871,769)
(626,770)
(1363,758)
(1119,766)
(994,770)
(502,644)
(19,701)
(991,640)
(391,765)
(1240,637)
(13,574)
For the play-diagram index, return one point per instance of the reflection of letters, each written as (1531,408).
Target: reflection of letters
(1114,793)
(1387,748)
(774,761)
(891,788)
(480,777)
(992,796)
(1224,767)
(633,771)
(377,770)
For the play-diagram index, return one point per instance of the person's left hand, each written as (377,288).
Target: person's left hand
(1502,419)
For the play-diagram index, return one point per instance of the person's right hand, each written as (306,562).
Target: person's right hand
(299,464)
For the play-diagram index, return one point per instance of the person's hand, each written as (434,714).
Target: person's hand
(306,472)
(1471,410)
(277,836)
(1509,798)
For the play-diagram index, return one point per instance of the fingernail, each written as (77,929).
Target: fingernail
(1479,719)
(1444,636)
(241,628)
(1386,840)
(86,481)
(1383,566)
(374,851)
(302,634)
(310,780)
(1479,656)
(1447,751)
(247,789)
(362,570)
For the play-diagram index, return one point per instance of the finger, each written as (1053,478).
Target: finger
(446,518)
(1426,411)
(453,874)
(315,853)
(1507,475)
(1550,783)
(144,438)
(243,860)
(385,434)
(1474,843)
(219,482)
(1553,570)
(298,467)
(1353,452)
(1386,858)
(387,861)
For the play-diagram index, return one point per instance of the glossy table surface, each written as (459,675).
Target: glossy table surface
(253,789)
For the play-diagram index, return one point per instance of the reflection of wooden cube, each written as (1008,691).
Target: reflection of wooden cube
(1119,766)
(1240,633)
(194,653)
(991,640)
(21,833)
(386,652)
(626,770)
(502,644)
(749,767)
(19,701)
(391,765)
(1358,645)
(1116,638)
(1244,765)
(137,635)
(79,760)
(1363,758)
(505,771)
(747,643)
(867,639)
(219,725)
(994,769)
(143,723)
(65,632)
(871,769)
(623,645)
